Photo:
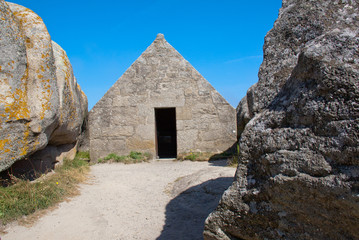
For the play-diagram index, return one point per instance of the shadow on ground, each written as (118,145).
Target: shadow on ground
(186,213)
(219,162)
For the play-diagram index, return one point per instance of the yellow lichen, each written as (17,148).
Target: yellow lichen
(3,143)
(45,55)
(18,109)
(28,43)
(46,105)
(24,149)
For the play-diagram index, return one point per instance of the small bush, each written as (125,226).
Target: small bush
(120,158)
(135,155)
(111,156)
(192,156)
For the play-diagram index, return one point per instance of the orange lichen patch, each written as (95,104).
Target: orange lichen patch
(18,109)
(26,16)
(36,32)
(45,55)
(0,68)
(25,148)
(38,18)
(3,143)
(28,43)
(46,105)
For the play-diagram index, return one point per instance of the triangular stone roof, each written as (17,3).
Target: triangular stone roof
(164,60)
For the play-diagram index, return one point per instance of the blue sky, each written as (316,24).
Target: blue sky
(222,39)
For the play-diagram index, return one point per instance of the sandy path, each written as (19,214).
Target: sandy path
(157,200)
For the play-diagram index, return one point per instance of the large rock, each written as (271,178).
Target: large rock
(41,102)
(298,176)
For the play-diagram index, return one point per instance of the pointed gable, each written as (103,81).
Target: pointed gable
(124,119)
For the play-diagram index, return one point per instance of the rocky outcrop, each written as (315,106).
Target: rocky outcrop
(298,176)
(41,104)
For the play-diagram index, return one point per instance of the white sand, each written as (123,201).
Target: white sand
(138,201)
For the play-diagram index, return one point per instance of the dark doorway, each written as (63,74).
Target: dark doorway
(166,132)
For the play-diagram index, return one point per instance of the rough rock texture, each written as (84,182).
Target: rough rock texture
(41,103)
(124,119)
(299,171)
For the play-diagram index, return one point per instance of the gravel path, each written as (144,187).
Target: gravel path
(157,200)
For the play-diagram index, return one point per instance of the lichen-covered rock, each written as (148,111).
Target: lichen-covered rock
(72,101)
(40,101)
(299,171)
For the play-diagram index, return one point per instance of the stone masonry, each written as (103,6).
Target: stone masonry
(124,119)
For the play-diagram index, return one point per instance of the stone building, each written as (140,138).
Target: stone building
(163,106)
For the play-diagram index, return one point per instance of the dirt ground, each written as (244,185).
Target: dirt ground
(158,200)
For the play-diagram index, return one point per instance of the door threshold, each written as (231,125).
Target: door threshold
(165,159)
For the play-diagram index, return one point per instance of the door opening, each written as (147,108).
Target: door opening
(166,133)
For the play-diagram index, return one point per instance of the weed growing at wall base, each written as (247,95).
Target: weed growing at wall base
(133,157)
(24,197)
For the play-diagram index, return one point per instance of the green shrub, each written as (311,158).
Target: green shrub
(111,156)
(135,155)
(119,158)
(193,156)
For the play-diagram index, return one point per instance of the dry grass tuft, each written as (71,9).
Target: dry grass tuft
(24,197)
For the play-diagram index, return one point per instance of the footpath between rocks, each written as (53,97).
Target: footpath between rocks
(162,200)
